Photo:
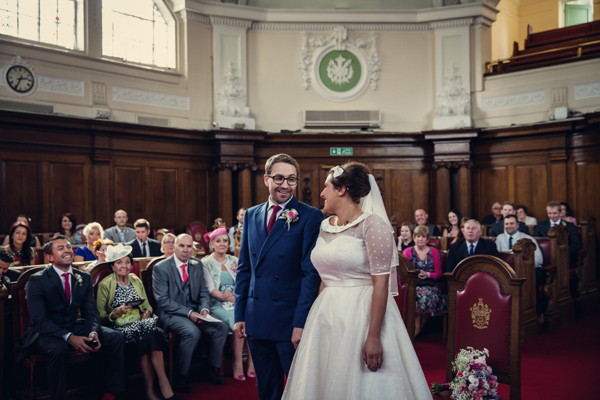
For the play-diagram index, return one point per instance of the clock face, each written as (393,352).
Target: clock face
(20,78)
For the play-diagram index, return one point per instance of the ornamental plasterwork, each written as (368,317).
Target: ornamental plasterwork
(514,100)
(55,84)
(455,100)
(136,96)
(339,41)
(586,90)
(231,99)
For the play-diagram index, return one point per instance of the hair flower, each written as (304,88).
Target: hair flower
(290,216)
(337,171)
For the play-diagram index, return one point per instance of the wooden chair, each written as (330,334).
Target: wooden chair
(99,272)
(484,312)
(550,287)
(237,239)
(407,294)
(588,293)
(3,360)
(33,362)
(559,248)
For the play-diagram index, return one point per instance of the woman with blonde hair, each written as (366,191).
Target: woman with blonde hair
(168,244)
(92,232)
(220,270)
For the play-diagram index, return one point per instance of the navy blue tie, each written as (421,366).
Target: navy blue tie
(471,249)
(510,242)
(144,254)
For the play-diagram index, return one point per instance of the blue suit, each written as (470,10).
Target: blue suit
(276,285)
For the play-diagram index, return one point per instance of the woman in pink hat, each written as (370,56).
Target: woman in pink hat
(219,273)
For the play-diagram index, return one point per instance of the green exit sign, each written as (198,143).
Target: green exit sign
(340,151)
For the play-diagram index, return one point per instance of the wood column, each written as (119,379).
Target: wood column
(225,192)
(442,189)
(463,191)
(245,187)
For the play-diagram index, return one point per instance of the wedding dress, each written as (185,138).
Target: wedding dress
(328,363)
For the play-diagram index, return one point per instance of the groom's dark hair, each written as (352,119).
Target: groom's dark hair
(284,158)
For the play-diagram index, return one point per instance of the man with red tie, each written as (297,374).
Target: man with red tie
(54,298)
(276,282)
(182,300)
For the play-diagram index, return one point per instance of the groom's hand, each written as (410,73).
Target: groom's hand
(239,328)
(296,336)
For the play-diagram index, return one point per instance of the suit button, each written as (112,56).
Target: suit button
(281,256)
(253,254)
(275,278)
(275,299)
(255,297)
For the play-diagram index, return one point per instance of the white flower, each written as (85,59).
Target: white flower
(78,279)
(193,262)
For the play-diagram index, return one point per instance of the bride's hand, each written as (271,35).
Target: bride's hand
(373,354)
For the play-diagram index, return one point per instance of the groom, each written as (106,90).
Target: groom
(276,282)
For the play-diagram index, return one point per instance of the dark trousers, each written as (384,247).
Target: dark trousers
(272,361)
(111,356)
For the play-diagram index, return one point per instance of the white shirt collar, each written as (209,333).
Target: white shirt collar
(141,243)
(474,244)
(555,223)
(283,206)
(178,262)
(61,272)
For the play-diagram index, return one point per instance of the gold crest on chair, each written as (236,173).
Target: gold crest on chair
(481,315)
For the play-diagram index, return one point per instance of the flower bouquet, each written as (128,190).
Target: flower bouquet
(473,380)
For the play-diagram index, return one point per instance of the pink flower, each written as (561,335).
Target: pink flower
(474,393)
(459,373)
(292,214)
(481,392)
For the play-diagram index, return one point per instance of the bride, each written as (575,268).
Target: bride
(355,344)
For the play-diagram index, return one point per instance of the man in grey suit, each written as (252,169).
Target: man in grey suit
(182,299)
(120,233)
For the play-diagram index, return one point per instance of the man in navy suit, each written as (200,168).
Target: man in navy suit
(542,228)
(142,245)
(276,282)
(473,244)
(63,317)
(7,275)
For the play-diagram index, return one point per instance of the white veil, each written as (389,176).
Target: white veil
(373,203)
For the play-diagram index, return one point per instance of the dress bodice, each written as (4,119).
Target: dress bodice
(348,255)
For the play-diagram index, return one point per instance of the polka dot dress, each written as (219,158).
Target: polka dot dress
(328,363)
(143,332)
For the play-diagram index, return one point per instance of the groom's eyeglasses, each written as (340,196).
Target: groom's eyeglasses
(278,179)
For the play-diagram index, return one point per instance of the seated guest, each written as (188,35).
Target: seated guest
(7,275)
(240,221)
(421,218)
(68,222)
(219,222)
(453,230)
(542,228)
(522,216)
(92,232)
(219,271)
(35,242)
(505,242)
(63,317)
(495,216)
(406,236)
(168,244)
(120,233)
(116,292)
(508,208)
(19,244)
(426,260)
(99,250)
(473,244)
(182,300)
(566,213)
(142,245)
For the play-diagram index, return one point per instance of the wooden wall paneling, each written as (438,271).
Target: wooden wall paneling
(463,188)
(244,189)
(442,202)
(410,189)
(69,188)
(102,193)
(225,195)
(261,192)
(530,190)
(492,185)
(163,198)
(21,193)
(194,202)
(588,189)
(129,190)
(510,182)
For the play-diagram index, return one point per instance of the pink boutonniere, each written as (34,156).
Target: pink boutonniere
(290,216)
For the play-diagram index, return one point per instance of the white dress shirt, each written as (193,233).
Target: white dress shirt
(178,264)
(502,245)
(142,248)
(270,211)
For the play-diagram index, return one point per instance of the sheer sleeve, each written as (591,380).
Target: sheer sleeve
(380,245)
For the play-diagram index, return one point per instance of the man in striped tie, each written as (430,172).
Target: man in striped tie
(473,244)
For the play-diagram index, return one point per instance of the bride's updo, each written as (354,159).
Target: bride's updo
(354,176)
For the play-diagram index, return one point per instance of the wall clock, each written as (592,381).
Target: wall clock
(18,77)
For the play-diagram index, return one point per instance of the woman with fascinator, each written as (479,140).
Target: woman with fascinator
(220,270)
(355,344)
(123,305)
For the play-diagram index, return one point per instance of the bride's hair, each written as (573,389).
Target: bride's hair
(355,178)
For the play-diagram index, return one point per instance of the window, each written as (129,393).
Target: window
(576,12)
(56,22)
(140,31)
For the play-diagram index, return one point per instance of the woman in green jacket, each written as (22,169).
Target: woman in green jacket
(123,305)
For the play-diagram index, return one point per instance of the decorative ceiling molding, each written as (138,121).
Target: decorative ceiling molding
(284,26)
(195,18)
(451,23)
(230,22)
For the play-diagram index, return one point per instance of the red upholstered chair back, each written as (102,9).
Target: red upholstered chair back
(98,273)
(135,267)
(196,230)
(39,257)
(544,244)
(484,312)
(434,241)
(508,257)
(18,292)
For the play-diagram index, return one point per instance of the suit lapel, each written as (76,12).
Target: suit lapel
(57,281)
(261,218)
(175,277)
(277,231)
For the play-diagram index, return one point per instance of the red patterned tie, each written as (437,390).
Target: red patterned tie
(185,275)
(273,218)
(67,275)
